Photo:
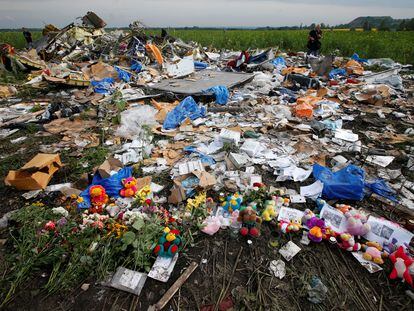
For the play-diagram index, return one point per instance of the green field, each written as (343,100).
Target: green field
(396,45)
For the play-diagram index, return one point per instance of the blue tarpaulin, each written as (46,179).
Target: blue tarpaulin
(188,108)
(123,75)
(111,184)
(221,92)
(105,86)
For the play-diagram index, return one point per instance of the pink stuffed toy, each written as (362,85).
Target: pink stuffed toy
(348,243)
(130,187)
(357,223)
(401,262)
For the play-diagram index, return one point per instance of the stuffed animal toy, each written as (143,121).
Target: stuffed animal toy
(269,211)
(343,208)
(232,202)
(373,252)
(348,243)
(316,229)
(98,198)
(401,262)
(130,187)
(307,215)
(329,233)
(250,221)
(356,223)
(290,226)
(168,244)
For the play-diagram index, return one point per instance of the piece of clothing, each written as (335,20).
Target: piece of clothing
(314,43)
(28,36)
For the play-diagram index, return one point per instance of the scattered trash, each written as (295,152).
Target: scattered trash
(277,267)
(317,291)
(289,250)
(128,280)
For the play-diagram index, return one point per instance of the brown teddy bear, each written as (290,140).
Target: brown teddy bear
(250,221)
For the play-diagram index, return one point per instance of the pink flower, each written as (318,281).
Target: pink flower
(50,226)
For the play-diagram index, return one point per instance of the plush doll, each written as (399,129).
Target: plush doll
(356,223)
(343,208)
(316,229)
(401,262)
(290,226)
(98,198)
(329,234)
(269,211)
(373,252)
(232,202)
(348,243)
(307,215)
(250,221)
(130,187)
(168,244)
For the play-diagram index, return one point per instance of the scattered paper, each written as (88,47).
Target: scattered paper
(290,214)
(372,267)
(346,135)
(289,250)
(382,161)
(383,230)
(296,198)
(334,218)
(313,191)
(128,280)
(278,268)
(162,268)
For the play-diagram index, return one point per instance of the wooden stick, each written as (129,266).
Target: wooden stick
(175,287)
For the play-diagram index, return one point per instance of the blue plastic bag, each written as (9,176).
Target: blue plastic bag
(347,184)
(112,185)
(279,63)
(381,188)
(105,86)
(200,65)
(188,108)
(356,57)
(205,159)
(123,75)
(221,92)
(136,66)
(336,73)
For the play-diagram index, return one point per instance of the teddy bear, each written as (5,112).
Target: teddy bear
(373,252)
(401,262)
(357,223)
(98,197)
(130,187)
(269,211)
(316,229)
(232,202)
(348,243)
(290,226)
(343,208)
(250,221)
(308,214)
(168,243)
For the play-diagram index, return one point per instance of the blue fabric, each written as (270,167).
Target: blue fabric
(336,73)
(136,66)
(347,184)
(123,75)
(112,185)
(188,108)
(200,65)
(105,86)
(356,57)
(279,63)
(381,188)
(221,92)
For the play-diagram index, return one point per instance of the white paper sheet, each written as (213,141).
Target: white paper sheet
(334,218)
(383,230)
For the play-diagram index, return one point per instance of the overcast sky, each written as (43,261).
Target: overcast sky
(248,13)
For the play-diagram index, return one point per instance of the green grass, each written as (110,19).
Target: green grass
(395,45)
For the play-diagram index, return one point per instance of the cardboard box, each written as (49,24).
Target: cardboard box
(110,167)
(36,173)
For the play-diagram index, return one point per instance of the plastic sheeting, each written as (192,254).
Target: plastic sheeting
(347,183)
(221,92)
(133,119)
(105,86)
(136,66)
(337,73)
(123,75)
(112,185)
(188,108)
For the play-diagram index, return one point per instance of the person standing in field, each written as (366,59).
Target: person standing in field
(314,43)
(28,36)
